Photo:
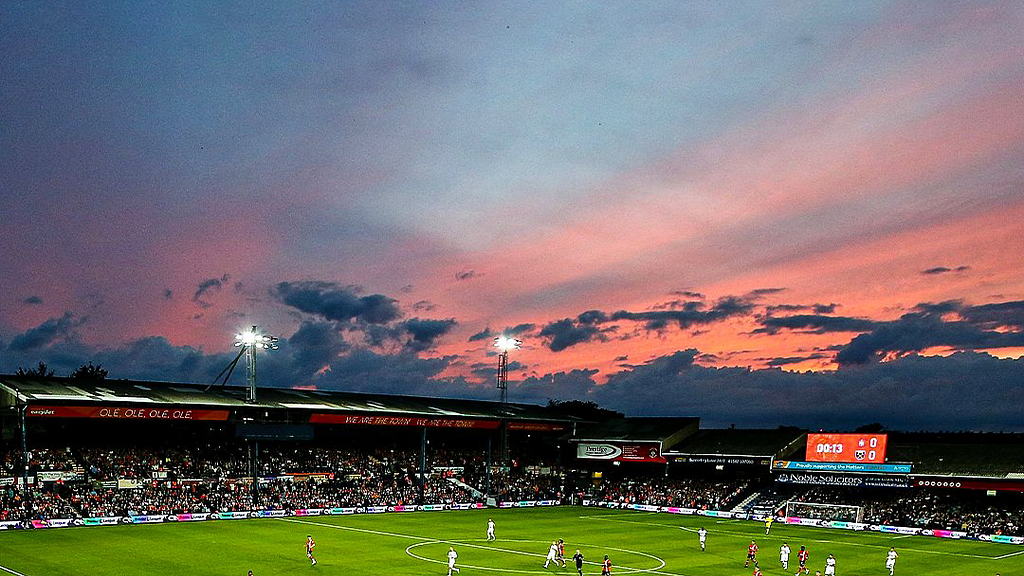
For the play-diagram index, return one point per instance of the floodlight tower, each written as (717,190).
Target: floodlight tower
(250,342)
(504,343)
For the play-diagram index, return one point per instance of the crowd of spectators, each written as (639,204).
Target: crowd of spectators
(118,481)
(922,508)
(678,492)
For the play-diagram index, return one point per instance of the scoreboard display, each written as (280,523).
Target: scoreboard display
(869,448)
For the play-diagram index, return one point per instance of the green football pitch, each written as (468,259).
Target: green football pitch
(415,543)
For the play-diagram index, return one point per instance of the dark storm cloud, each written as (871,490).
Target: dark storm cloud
(824,308)
(760,292)
(996,325)
(587,326)
(206,286)
(519,329)
(787,360)
(168,294)
(815,323)
(572,385)
(335,302)
(1001,314)
(424,306)
(489,372)
(51,330)
(943,269)
(914,334)
(364,370)
(913,392)
(482,335)
(33,300)
(562,334)
(687,294)
(772,308)
(315,344)
(591,317)
(424,333)
(692,313)
(466,275)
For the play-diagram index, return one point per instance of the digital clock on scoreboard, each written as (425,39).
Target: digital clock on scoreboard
(846,448)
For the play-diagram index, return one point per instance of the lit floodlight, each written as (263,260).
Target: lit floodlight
(504,343)
(250,341)
(247,338)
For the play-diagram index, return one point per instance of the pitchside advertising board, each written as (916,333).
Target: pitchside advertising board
(842,467)
(865,448)
(620,451)
(850,480)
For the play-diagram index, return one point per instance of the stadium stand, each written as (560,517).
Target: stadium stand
(125,449)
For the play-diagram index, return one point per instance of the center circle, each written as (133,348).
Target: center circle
(620,568)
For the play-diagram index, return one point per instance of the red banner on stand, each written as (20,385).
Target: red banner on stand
(126,412)
(376,420)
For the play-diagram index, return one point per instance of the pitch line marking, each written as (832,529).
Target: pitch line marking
(882,546)
(1017,553)
(6,569)
(624,569)
(424,540)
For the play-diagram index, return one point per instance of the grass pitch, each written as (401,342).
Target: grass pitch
(415,544)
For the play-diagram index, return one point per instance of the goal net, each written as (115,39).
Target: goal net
(835,512)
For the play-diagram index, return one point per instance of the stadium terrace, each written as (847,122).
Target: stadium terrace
(128,453)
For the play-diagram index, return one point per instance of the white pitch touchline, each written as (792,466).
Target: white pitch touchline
(659,524)
(463,543)
(6,569)
(902,536)
(1017,553)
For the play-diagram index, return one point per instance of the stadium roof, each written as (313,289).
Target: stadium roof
(960,454)
(771,443)
(668,431)
(63,391)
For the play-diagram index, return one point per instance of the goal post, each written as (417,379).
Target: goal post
(820,511)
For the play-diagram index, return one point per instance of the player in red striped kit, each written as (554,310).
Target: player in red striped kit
(751,555)
(802,557)
(310,544)
(606,567)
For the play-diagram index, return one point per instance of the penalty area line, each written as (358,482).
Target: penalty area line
(843,543)
(15,572)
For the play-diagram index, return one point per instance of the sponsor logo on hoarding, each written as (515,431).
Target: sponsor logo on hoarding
(272,513)
(339,511)
(842,466)
(597,451)
(156,519)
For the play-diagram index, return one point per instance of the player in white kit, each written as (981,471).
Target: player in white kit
(452,556)
(702,534)
(784,556)
(890,561)
(490,529)
(552,554)
(830,565)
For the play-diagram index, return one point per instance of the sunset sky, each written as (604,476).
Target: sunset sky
(804,213)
